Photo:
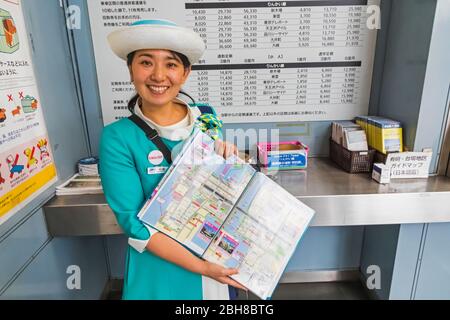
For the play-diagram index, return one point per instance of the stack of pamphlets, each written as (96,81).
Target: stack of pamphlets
(79,184)
(350,135)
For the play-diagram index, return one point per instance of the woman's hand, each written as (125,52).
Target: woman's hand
(225,149)
(165,247)
(221,274)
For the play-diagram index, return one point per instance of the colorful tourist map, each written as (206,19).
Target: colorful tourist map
(260,235)
(227,213)
(194,200)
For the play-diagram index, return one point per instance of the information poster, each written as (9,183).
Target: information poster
(26,162)
(266,61)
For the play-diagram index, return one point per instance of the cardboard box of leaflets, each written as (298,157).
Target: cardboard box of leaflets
(283,155)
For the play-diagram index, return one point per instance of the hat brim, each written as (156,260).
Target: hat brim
(174,38)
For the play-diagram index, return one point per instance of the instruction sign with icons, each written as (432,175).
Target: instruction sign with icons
(26,161)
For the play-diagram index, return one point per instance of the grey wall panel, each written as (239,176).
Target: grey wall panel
(17,247)
(380,55)
(88,76)
(434,104)
(433,279)
(408,43)
(379,248)
(117,248)
(46,277)
(328,248)
(409,244)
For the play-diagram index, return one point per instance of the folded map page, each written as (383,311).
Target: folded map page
(197,195)
(260,235)
(227,213)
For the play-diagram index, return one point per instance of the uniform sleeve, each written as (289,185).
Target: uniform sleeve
(121,184)
(140,245)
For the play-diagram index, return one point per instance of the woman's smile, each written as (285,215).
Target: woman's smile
(158,90)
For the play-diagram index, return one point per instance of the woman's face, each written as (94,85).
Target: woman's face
(158,76)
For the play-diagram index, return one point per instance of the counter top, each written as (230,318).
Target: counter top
(325,178)
(339,199)
(342,199)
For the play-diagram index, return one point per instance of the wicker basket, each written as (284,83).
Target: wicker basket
(351,161)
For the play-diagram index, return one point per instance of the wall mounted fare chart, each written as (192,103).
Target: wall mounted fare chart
(266,61)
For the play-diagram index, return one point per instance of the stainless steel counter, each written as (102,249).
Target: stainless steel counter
(339,198)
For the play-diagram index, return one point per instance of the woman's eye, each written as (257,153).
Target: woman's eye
(172,65)
(146,63)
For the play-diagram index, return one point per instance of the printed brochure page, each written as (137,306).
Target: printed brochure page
(260,235)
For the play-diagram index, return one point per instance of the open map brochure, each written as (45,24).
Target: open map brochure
(228,213)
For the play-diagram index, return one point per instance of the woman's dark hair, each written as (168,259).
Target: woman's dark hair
(182,57)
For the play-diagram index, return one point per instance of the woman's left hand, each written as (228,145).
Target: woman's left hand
(225,149)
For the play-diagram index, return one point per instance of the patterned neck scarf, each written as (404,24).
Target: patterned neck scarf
(209,124)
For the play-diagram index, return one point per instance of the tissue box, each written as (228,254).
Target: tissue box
(283,155)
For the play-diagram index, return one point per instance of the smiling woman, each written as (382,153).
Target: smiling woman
(158,76)
(159,56)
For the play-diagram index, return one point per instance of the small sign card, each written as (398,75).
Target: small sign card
(409,164)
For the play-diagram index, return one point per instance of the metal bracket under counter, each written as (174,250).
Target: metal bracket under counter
(80,215)
(339,199)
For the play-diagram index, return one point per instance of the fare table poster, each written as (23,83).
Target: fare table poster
(26,161)
(266,61)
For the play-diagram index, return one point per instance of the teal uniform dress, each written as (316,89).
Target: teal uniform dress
(124,150)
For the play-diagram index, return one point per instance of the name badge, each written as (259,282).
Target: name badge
(156,170)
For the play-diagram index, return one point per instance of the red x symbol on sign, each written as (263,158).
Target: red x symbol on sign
(16,159)
(20,95)
(30,155)
(14,165)
(10,97)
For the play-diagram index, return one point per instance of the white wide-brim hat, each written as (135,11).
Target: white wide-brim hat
(156,34)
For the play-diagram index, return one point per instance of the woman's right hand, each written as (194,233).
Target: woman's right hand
(221,274)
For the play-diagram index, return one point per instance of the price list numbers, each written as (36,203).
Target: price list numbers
(287,24)
(330,26)
(250,87)
(250,28)
(327,86)
(319,83)
(202,84)
(223,29)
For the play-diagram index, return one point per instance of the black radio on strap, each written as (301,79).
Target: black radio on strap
(153,136)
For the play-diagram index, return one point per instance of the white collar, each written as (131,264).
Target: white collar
(177,131)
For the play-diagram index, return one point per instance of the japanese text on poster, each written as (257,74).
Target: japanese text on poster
(266,61)
(26,161)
